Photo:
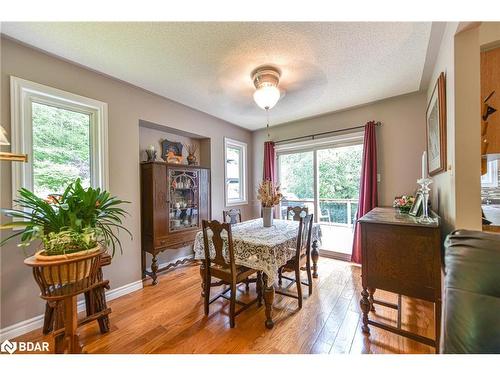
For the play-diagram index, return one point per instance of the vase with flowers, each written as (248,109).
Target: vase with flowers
(269,196)
(403,203)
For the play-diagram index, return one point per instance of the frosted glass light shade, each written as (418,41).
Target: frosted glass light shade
(3,137)
(266,97)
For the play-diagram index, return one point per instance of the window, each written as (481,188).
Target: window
(64,135)
(235,157)
(492,176)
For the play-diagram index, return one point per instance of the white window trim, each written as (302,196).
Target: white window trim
(490,179)
(243,169)
(22,94)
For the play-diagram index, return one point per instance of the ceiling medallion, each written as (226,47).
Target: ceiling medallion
(266,80)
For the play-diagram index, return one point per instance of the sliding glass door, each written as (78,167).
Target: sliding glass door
(326,180)
(296,178)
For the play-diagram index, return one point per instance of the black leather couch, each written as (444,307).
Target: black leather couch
(471,295)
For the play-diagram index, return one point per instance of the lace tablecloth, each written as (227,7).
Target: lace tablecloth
(260,248)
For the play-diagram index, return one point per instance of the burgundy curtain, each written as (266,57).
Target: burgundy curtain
(368,185)
(269,162)
(270,167)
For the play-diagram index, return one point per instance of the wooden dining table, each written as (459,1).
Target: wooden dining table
(264,249)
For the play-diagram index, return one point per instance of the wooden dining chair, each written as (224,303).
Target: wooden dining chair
(225,269)
(301,260)
(232,216)
(296,212)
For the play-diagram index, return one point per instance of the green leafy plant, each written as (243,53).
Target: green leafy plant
(77,220)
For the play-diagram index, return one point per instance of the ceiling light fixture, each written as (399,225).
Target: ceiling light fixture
(266,80)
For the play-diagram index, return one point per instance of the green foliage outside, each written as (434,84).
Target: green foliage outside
(339,173)
(61,149)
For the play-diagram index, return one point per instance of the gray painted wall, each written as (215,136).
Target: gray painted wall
(400,139)
(127,105)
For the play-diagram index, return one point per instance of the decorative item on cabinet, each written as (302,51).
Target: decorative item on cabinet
(167,147)
(151,153)
(191,149)
(174,201)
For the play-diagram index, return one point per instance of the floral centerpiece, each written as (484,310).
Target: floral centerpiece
(404,203)
(74,224)
(269,196)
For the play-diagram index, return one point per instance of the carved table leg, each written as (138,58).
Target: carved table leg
(315,257)
(371,291)
(154,269)
(365,308)
(202,275)
(259,288)
(268,300)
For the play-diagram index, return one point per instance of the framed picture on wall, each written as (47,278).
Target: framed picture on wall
(436,128)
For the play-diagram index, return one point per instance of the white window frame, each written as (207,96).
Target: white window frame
(490,179)
(228,142)
(22,94)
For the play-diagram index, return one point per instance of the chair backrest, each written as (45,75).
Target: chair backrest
(298,212)
(218,244)
(232,216)
(304,235)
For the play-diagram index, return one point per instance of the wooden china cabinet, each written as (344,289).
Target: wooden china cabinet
(175,198)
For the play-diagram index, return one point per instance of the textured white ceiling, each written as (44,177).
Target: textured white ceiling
(325,66)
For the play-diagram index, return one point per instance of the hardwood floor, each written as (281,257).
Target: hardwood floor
(169,318)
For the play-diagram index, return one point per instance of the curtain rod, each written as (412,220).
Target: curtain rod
(313,136)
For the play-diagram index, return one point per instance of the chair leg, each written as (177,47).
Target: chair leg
(232,307)
(206,291)
(247,284)
(299,284)
(280,281)
(309,275)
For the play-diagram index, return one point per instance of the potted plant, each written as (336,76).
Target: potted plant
(269,196)
(70,226)
(403,203)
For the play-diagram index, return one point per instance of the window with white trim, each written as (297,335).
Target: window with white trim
(491,177)
(64,135)
(235,161)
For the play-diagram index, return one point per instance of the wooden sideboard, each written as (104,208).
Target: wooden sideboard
(175,198)
(402,256)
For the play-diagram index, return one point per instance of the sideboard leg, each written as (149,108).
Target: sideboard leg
(315,257)
(154,269)
(268,300)
(365,308)
(371,291)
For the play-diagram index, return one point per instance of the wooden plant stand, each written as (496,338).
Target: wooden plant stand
(60,289)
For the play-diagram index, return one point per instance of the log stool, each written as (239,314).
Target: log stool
(60,283)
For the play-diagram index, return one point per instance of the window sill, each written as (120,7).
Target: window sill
(238,203)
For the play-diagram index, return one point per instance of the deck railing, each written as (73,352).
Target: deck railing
(340,212)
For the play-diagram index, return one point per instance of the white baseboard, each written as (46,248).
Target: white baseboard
(29,325)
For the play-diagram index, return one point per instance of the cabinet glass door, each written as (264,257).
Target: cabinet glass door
(184,199)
